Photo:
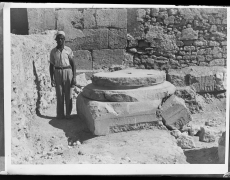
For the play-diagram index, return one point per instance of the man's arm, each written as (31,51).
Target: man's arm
(52,74)
(73,65)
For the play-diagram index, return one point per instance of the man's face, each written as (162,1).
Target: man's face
(60,39)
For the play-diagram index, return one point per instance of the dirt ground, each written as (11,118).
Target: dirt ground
(53,141)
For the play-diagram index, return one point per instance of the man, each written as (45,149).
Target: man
(62,74)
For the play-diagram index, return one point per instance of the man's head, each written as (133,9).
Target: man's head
(60,38)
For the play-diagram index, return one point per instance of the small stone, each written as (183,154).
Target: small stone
(206,135)
(175,133)
(186,142)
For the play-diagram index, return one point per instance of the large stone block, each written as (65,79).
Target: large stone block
(71,22)
(101,117)
(129,78)
(134,27)
(89,18)
(90,39)
(174,112)
(40,19)
(117,38)
(201,78)
(150,93)
(107,57)
(83,59)
(111,18)
(217,62)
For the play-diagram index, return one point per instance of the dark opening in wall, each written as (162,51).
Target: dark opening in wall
(19,21)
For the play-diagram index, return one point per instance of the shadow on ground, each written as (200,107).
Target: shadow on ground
(75,129)
(202,156)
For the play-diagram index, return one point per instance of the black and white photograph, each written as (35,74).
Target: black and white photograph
(118,85)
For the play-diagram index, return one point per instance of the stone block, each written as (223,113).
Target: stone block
(90,39)
(134,28)
(221,148)
(189,34)
(149,93)
(101,117)
(174,112)
(217,62)
(40,19)
(129,78)
(206,135)
(117,38)
(111,18)
(71,22)
(107,57)
(186,142)
(83,59)
(89,18)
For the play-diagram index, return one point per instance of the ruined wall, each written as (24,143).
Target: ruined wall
(177,37)
(155,38)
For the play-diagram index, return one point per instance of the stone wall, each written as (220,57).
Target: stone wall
(155,38)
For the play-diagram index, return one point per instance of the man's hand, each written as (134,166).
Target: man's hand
(74,82)
(53,83)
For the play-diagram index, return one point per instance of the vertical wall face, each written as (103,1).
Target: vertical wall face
(19,21)
(154,38)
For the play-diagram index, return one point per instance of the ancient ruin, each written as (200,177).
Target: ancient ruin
(150,73)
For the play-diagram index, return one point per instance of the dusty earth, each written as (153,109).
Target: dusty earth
(53,141)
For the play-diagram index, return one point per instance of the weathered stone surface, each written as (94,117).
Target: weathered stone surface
(129,77)
(83,59)
(221,148)
(176,133)
(90,39)
(217,62)
(185,142)
(189,34)
(89,18)
(134,27)
(71,22)
(107,57)
(206,135)
(150,93)
(111,18)
(175,114)
(117,38)
(40,19)
(81,80)
(202,79)
(101,116)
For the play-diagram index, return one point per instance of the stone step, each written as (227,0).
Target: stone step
(129,77)
(102,116)
(156,92)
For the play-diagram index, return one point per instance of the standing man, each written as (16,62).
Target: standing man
(62,74)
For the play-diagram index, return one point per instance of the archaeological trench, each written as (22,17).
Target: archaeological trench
(150,71)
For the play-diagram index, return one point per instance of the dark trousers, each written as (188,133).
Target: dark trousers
(63,79)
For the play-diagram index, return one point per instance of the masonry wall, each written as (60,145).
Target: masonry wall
(156,38)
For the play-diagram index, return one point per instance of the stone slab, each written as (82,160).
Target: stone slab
(129,77)
(155,92)
(89,18)
(175,114)
(71,22)
(40,19)
(101,116)
(89,39)
(107,57)
(117,38)
(111,18)
(202,79)
(83,59)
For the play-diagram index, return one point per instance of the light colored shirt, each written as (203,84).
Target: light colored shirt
(61,59)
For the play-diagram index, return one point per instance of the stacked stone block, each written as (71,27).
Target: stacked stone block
(177,37)
(122,100)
